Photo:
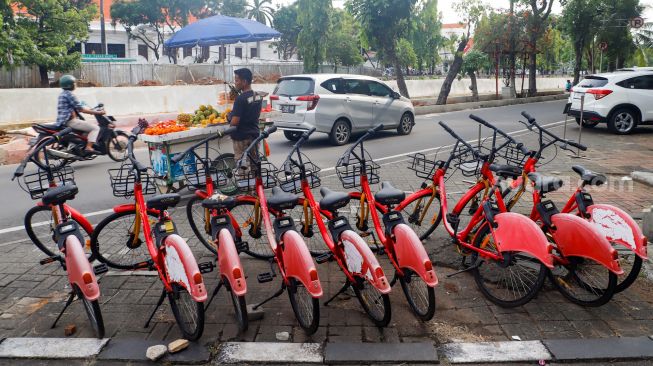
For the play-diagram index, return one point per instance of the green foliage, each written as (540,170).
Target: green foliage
(13,42)
(405,53)
(285,21)
(474,61)
(342,41)
(313,17)
(230,8)
(261,11)
(425,33)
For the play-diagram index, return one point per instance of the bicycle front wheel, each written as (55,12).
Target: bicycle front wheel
(375,304)
(93,312)
(240,310)
(423,214)
(118,242)
(199,219)
(117,147)
(304,305)
(188,313)
(420,296)
(511,282)
(250,221)
(631,264)
(584,281)
(40,225)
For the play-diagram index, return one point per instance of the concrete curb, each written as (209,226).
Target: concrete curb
(429,109)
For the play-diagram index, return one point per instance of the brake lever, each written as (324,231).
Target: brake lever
(530,127)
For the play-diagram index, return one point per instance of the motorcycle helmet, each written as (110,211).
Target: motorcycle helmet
(67,82)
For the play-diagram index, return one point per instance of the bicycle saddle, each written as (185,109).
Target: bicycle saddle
(218,202)
(164,201)
(506,171)
(544,183)
(389,195)
(332,201)
(589,177)
(281,200)
(59,195)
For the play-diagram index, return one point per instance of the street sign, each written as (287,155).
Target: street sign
(603,46)
(636,22)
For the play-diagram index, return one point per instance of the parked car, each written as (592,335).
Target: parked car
(339,105)
(623,100)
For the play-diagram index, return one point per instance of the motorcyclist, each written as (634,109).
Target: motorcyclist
(68,109)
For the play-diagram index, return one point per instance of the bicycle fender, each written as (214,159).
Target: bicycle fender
(517,233)
(618,227)
(361,261)
(576,237)
(128,207)
(80,271)
(229,263)
(411,254)
(181,267)
(299,264)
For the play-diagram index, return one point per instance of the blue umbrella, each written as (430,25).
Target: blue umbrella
(220,30)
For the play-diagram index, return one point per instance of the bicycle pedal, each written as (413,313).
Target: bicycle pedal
(49,260)
(100,268)
(206,267)
(243,246)
(265,277)
(323,258)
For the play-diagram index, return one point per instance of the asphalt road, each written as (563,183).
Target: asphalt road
(96,197)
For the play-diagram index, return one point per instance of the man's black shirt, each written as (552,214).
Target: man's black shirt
(248,107)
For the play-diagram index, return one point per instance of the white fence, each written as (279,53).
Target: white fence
(123,74)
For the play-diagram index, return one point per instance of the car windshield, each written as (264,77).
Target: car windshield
(593,82)
(294,87)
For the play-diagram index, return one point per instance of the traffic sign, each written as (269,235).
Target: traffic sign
(636,22)
(603,46)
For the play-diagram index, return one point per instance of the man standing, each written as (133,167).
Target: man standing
(245,113)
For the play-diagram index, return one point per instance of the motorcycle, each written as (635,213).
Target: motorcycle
(110,141)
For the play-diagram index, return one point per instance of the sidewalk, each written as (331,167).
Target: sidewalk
(32,295)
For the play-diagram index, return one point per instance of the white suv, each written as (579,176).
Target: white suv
(339,105)
(622,99)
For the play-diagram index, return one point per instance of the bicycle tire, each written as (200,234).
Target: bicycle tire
(194,330)
(309,319)
(592,295)
(103,236)
(93,312)
(32,234)
(631,272)
(255,237)
(425,227)
(195,213)
(423,310)
(483,280)
(380,318)
(116,141)
(315,243)
(240,310)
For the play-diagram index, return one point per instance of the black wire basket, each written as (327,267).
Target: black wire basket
(123,180)
(511,154)
(36,184)
(423,166)
(195,174)
(465,160)
(291,181)
(244,177)
(350,174)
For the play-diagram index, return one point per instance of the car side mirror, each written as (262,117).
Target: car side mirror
(396,95)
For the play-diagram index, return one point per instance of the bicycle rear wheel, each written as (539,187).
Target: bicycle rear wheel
(240,310)
(197,218)
(304,305)
(93,312)
(188,313)
(420,296)
(40,225)
(423,214)
(374,303)
(253,233)
(512,282)
(117,147)
(584,281)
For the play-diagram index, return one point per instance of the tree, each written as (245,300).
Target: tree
(425,34)
(13,42)
(471,12)
(406,54)
(579,19)
(472,63)
(644,40)
(285,22)
(616,32)
(540,13)
(383,23)
(230,8)
(313,18)
(52,27)
(150,20)
(261,11)
(342,41)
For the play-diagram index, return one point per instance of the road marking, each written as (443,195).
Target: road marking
(484,352)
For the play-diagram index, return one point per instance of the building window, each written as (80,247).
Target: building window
(253,52)
(94,49)
(76,48)
(188,51)
(142,51)
(116,49)
(239,52)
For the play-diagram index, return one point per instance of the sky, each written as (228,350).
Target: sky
(449,14)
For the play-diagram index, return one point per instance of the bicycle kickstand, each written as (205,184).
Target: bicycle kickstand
(158,304)
(343,289)
(275,295)
(71,297)
(215,292)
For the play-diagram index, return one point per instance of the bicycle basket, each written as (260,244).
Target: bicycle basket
(292,182)
(350,174)
(36,184)
(244,177)
(422,166)
(195,173)
(123,180)
(510,155)
(465,160)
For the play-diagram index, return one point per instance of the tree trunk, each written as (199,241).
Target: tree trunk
(512,57)
(454,69)
(401,83)
(578,63)
(532,66)
(472,76)
(45,81)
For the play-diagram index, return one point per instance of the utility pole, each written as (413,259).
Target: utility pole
(103,35)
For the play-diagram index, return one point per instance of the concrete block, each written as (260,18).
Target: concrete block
(355,353)
(269,352)
(601,349)
(643,177)
(495,352)
(255,314)
(51,348)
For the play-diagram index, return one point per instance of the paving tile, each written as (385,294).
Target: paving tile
(600,349)
(380,352)
(135,349)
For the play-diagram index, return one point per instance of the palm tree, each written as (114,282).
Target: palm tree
(644,39)
(262,12)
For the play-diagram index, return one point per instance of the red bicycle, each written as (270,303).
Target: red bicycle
(293,260)
(54,185)
(413,267)
(362,270)
(613,223)
(118,241)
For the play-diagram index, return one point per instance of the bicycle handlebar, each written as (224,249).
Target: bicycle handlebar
(455,136)
(177,158)
(20,170)
(286,166)
(533,122)
(346,156)
(130,154)
(487,124)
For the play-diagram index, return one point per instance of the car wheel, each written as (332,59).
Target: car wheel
(587,123)
(622,121)
(406,124)
(340,133)
(292,135)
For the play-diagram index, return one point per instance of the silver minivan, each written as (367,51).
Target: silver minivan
(339,105)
